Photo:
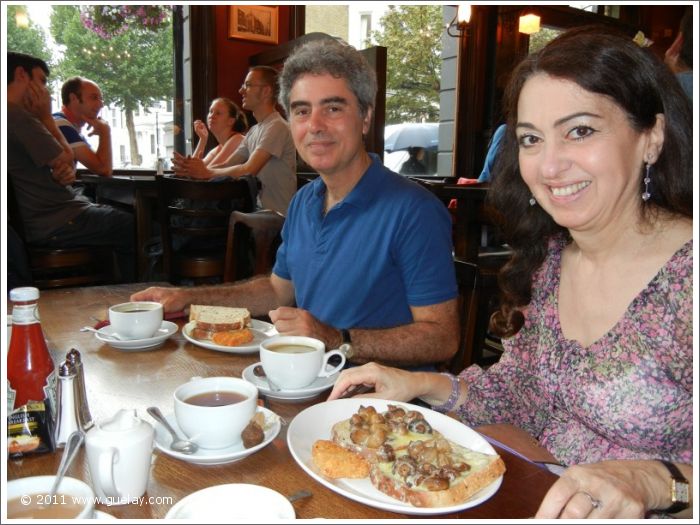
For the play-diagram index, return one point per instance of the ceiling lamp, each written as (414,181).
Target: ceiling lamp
(529,24)
(460,21)
(21,18)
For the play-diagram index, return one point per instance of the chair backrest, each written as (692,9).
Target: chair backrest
(264,227)
(191,213)
(468,284)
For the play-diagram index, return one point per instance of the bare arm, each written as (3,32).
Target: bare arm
(259,295)
(250,167)
(99,162)
(203,133)
(432,337)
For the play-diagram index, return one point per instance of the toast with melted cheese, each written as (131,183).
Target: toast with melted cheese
(436,473)
(371,433)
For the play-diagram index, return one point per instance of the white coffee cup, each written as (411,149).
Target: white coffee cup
(136,319)
(119,451)
(292,361)
(210,426)
(73,499)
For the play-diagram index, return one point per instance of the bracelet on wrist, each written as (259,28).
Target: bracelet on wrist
(454,395)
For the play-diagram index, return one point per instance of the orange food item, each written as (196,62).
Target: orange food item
(233,337)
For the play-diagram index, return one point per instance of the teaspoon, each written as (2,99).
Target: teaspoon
(71,448)
(109,336)
(178,445)
(258,371)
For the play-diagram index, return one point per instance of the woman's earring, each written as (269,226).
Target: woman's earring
(532,201)
(647,179)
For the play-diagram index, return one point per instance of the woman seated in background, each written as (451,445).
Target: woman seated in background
(228,123)
(595,192)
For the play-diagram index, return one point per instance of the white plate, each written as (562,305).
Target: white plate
(319,385)
(166,329)
(234,502)
(100,515)
(261,331)
(219,456)
(316,421)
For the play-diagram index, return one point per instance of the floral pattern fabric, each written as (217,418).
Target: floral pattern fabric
(626,396)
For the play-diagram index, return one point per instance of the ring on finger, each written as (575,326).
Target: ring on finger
(595,503)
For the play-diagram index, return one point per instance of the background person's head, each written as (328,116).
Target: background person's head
(259,88)
(28,63)
(82,97)
(416,152)
(336,59)
(228,108)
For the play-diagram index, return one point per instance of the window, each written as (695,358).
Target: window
(114,63)
(365,28)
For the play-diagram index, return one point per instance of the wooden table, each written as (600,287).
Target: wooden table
(117,379)
(137,191)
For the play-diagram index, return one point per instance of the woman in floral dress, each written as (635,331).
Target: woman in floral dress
(595,184)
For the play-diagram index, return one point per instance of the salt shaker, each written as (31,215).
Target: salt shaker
(67,409)
(84,416)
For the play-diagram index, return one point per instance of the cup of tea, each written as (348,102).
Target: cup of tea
(213,411)
(136,319)
(119,451)
(28,498)
(292,361)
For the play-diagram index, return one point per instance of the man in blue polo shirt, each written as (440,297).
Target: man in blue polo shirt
(366,255)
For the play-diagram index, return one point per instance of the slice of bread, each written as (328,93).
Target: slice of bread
(334,461)
(218,319)
(449,479)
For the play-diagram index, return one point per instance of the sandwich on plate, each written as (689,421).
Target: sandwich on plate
(222,325)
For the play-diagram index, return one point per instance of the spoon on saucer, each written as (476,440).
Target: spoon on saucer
(109,336)
(178,445)
(258,371)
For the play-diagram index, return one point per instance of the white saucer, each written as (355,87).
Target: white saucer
(297,394)
(234,502)
(219,456)
(166,329)
(100,515)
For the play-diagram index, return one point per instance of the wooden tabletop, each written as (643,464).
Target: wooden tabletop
(116,379)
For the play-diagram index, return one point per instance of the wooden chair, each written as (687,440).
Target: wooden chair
(61,267)
(476,304)
(193,214)
(264,227)
(467,274)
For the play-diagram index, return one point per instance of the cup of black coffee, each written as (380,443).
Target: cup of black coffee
(213,411)
(136,319)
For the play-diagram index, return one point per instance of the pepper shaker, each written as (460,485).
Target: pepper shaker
(84,416)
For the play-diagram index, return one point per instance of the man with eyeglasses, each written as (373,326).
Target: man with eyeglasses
(266,152)
(82,102)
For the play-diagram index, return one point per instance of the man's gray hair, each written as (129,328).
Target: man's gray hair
(335,58)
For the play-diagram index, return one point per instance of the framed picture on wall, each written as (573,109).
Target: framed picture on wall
(253,22)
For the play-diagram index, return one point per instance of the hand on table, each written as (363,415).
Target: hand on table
(388,383)
(190,167)
(295,321)
(608,489)
(172,299)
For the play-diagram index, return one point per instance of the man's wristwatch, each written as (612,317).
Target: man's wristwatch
(346,346)
(680,489)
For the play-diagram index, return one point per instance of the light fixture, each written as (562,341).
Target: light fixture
(529,24)
(21,18)
(460,21)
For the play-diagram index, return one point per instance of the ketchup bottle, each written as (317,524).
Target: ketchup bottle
(31,379)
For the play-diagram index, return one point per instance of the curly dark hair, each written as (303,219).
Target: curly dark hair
(602,61)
